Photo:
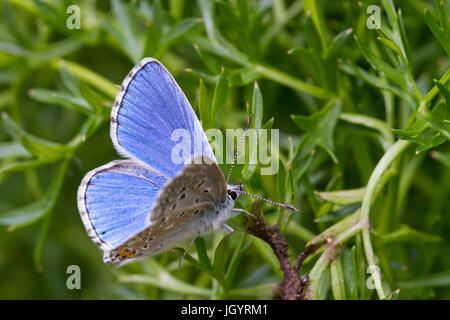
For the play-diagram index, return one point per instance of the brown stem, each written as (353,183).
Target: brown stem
(293,286)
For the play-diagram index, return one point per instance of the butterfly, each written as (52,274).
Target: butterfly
(148,203)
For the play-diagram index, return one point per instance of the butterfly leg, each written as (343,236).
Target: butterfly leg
(230,231)
(187,249)
(242,210)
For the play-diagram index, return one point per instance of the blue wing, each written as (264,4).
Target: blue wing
(147,110)
(115,200)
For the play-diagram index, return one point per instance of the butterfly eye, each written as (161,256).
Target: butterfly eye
(232,194)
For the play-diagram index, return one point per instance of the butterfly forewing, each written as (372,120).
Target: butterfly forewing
(148,109)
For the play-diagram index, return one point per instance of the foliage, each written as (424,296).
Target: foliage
(364,116)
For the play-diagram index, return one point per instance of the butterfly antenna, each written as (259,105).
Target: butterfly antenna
(239,145)
(270,201)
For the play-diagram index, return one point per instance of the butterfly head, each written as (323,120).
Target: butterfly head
(235,191)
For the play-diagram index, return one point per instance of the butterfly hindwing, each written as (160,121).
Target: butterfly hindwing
(177,226)
(115,200)
(189,205)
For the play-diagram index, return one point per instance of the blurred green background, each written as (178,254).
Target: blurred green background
(346,93)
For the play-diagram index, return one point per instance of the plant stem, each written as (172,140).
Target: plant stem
(393,152)
(291,82)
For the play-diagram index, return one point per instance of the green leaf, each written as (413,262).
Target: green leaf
(343,196)
(324,285)
(422,132)
(221,256)
(207,9)
(13,49)
(204,106)
(8,76)
(313,10)
(320,128)
(163,279)
(406,234)
(256,111)
(31,213)
(313,38)
(371,123)
(378,63)
(60,98)
(152,40)
(178,30)
(188,257)
(441,279)
(443,157)
(361,263)
(208,78)
(203,264)
(95,100)
(377,82)
(22,166)
(238,253)
(265,251)
(342,212)
(211,63)
(71,82)
(263,291)
(39,147)
(243,76)
(301,163)
(281,181)
(92,78)
(39,248)
(257,107)
(202,254)
(53,13)
(439,119)
(128,27)
(336,43)
(350,273)
(219,100)
(429,128)
(337,280)
(53,51)
(9,150)
(269,124)
(442,31)
(445,93)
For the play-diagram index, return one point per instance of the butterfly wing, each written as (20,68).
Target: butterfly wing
(147,110)
(115,200)
(190,204)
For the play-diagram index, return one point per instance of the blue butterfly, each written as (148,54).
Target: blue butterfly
(146,204)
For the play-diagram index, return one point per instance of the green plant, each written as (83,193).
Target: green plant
(363,142)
